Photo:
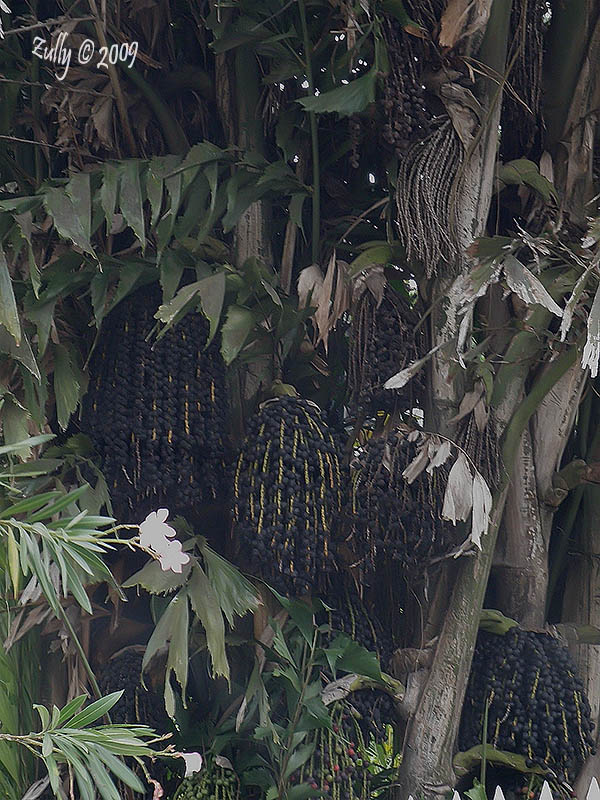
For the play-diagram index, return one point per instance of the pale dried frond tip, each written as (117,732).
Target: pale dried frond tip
(310,283)
(571,304)
(6,9)
(482,508)
(458,499)
(401,378)
(529,288)
(591,351)
(439,453)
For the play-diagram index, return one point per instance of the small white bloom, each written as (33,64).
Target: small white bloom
(154,532)
(172,557)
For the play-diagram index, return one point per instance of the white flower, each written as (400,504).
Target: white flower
(193,762)
(173,557)
(154,532)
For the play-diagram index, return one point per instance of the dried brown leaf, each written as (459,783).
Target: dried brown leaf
(458,499)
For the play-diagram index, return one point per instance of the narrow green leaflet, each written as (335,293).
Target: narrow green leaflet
(67,219)
(67,384)
(109,192)
(42,316)
(345,100)
(236,594)
(207,609)
(21,352)
(94,711)
(236,329)
(523,172)
(154,579)
(212,295)
(25,226)
(177,660)
(9,315)
(79,190)
(130,198)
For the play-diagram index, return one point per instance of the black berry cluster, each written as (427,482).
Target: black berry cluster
(137,704)
(407,117)
(338,766)
(288,489)
(536,704)
(383,341)
(392,519)
(213,782)
(350,616)
(157,413)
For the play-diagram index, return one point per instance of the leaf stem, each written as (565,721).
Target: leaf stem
(314,140)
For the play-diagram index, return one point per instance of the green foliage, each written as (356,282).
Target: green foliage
(93,753)
(220,593)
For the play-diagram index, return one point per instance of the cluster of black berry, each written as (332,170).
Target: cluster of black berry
(137,705)
(338,766)
(157,413)
(350,616)
(213,782)
(536,704)
(407,116)
(392,519)
(383,341)
(288,491)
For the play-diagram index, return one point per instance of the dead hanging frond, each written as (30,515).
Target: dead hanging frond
(521,108)
(423,198)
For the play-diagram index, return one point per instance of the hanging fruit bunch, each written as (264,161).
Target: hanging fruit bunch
(350,616)
(288,491)
(213,782)
(384,339)
(394,520)
(407,117)
(338,766)
(157,413)
(137,705)
(536,704)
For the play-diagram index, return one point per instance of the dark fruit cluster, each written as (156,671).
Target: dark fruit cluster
(355,131)
(338,766)
(350,616)
(157,413)
(213,782)
(394,521)
(383,341)
(375,708)
(137,705)
(288,490)
(536,704)
(406,114)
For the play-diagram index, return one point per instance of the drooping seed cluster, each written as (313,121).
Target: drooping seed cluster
(349,615)
(137,705)
(384,340)
(157,413)
(394,521)
(338,766)
(213,782)
(537,707)
(406,114)
(521,109)
(288,491)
